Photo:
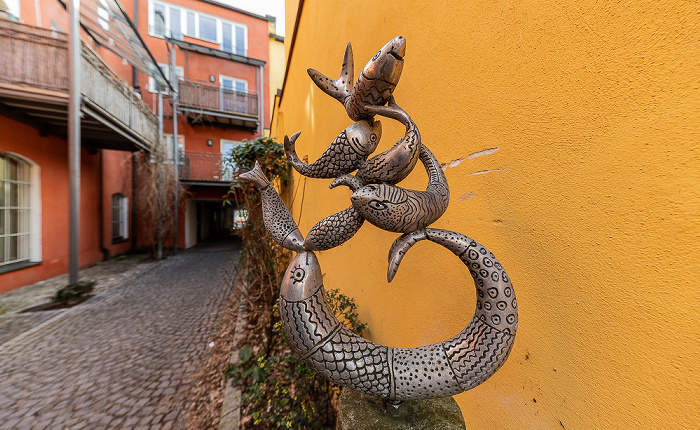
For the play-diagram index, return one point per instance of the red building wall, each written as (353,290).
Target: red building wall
(51,156)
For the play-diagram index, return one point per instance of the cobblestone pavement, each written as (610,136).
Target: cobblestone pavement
(124,359)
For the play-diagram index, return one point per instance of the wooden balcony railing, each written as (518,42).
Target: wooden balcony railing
(204,166)
(37,58)
(202,95)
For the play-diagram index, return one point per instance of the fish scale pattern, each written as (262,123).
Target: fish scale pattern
(334,230)
(341,157)
(477,352)
(352,361)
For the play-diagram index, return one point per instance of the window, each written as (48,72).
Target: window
(19,200)
(234,94)
(179,72)
(190,29)
(120,218)
(165,19)
(227,167)
(180,147)
(207,28)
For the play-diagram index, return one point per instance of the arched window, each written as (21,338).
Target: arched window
(120,217)
(19,212)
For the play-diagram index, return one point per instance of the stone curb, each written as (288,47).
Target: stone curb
(231,408)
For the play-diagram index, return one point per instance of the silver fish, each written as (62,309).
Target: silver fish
(346,153)
(374,85)
(393,165)
(399,210)
(439,370)
(276,216)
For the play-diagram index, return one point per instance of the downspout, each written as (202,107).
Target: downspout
(134,200)
(101,208)
(135,73)
(176,147)
(261,102)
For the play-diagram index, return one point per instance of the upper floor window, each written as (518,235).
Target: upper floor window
(165,19)
(179,73)
(18,214)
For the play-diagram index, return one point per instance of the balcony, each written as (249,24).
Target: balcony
(34,90)
(202,102)
(204,168)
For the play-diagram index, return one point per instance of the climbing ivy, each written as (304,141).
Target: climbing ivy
(279,389)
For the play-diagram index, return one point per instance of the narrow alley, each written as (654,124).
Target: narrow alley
(133,358)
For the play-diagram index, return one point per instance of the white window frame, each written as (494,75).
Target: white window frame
(221,91)
(227,171)
(179,72)
(120,218)
(194,33)
(169,147)
(30,223)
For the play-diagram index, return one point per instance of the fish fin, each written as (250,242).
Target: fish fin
(339,89)
(256,176)
(399,248)
(349,181)
(289,146)
(391,110)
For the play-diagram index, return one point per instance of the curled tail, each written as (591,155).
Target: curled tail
(442,369)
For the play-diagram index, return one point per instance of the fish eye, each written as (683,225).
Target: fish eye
(376,55)
(298,274)
(377,205)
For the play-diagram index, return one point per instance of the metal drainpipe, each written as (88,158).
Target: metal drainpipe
(135,73)
(261,102)
(176,146)
(160,140)
(101,207)
(74,101)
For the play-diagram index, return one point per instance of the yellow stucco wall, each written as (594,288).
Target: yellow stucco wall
(591,200)
(277,66)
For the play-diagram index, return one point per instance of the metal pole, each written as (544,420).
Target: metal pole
(74,101)
(261,101)
(160,184)
(176,150)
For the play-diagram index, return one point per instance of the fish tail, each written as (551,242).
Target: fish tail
(256,176)
(290,150)
(399,248)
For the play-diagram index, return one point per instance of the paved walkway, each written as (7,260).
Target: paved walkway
(126,359)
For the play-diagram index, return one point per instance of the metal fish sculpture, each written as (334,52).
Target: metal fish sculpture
(400,210)
(374,85)
(345,154)
(276,216)
(439,370)
(393,165)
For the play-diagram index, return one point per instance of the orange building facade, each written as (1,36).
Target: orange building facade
(221,56)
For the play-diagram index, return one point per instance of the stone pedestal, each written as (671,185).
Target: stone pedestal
(357,411)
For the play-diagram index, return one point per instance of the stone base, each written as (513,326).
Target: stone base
(357,411)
